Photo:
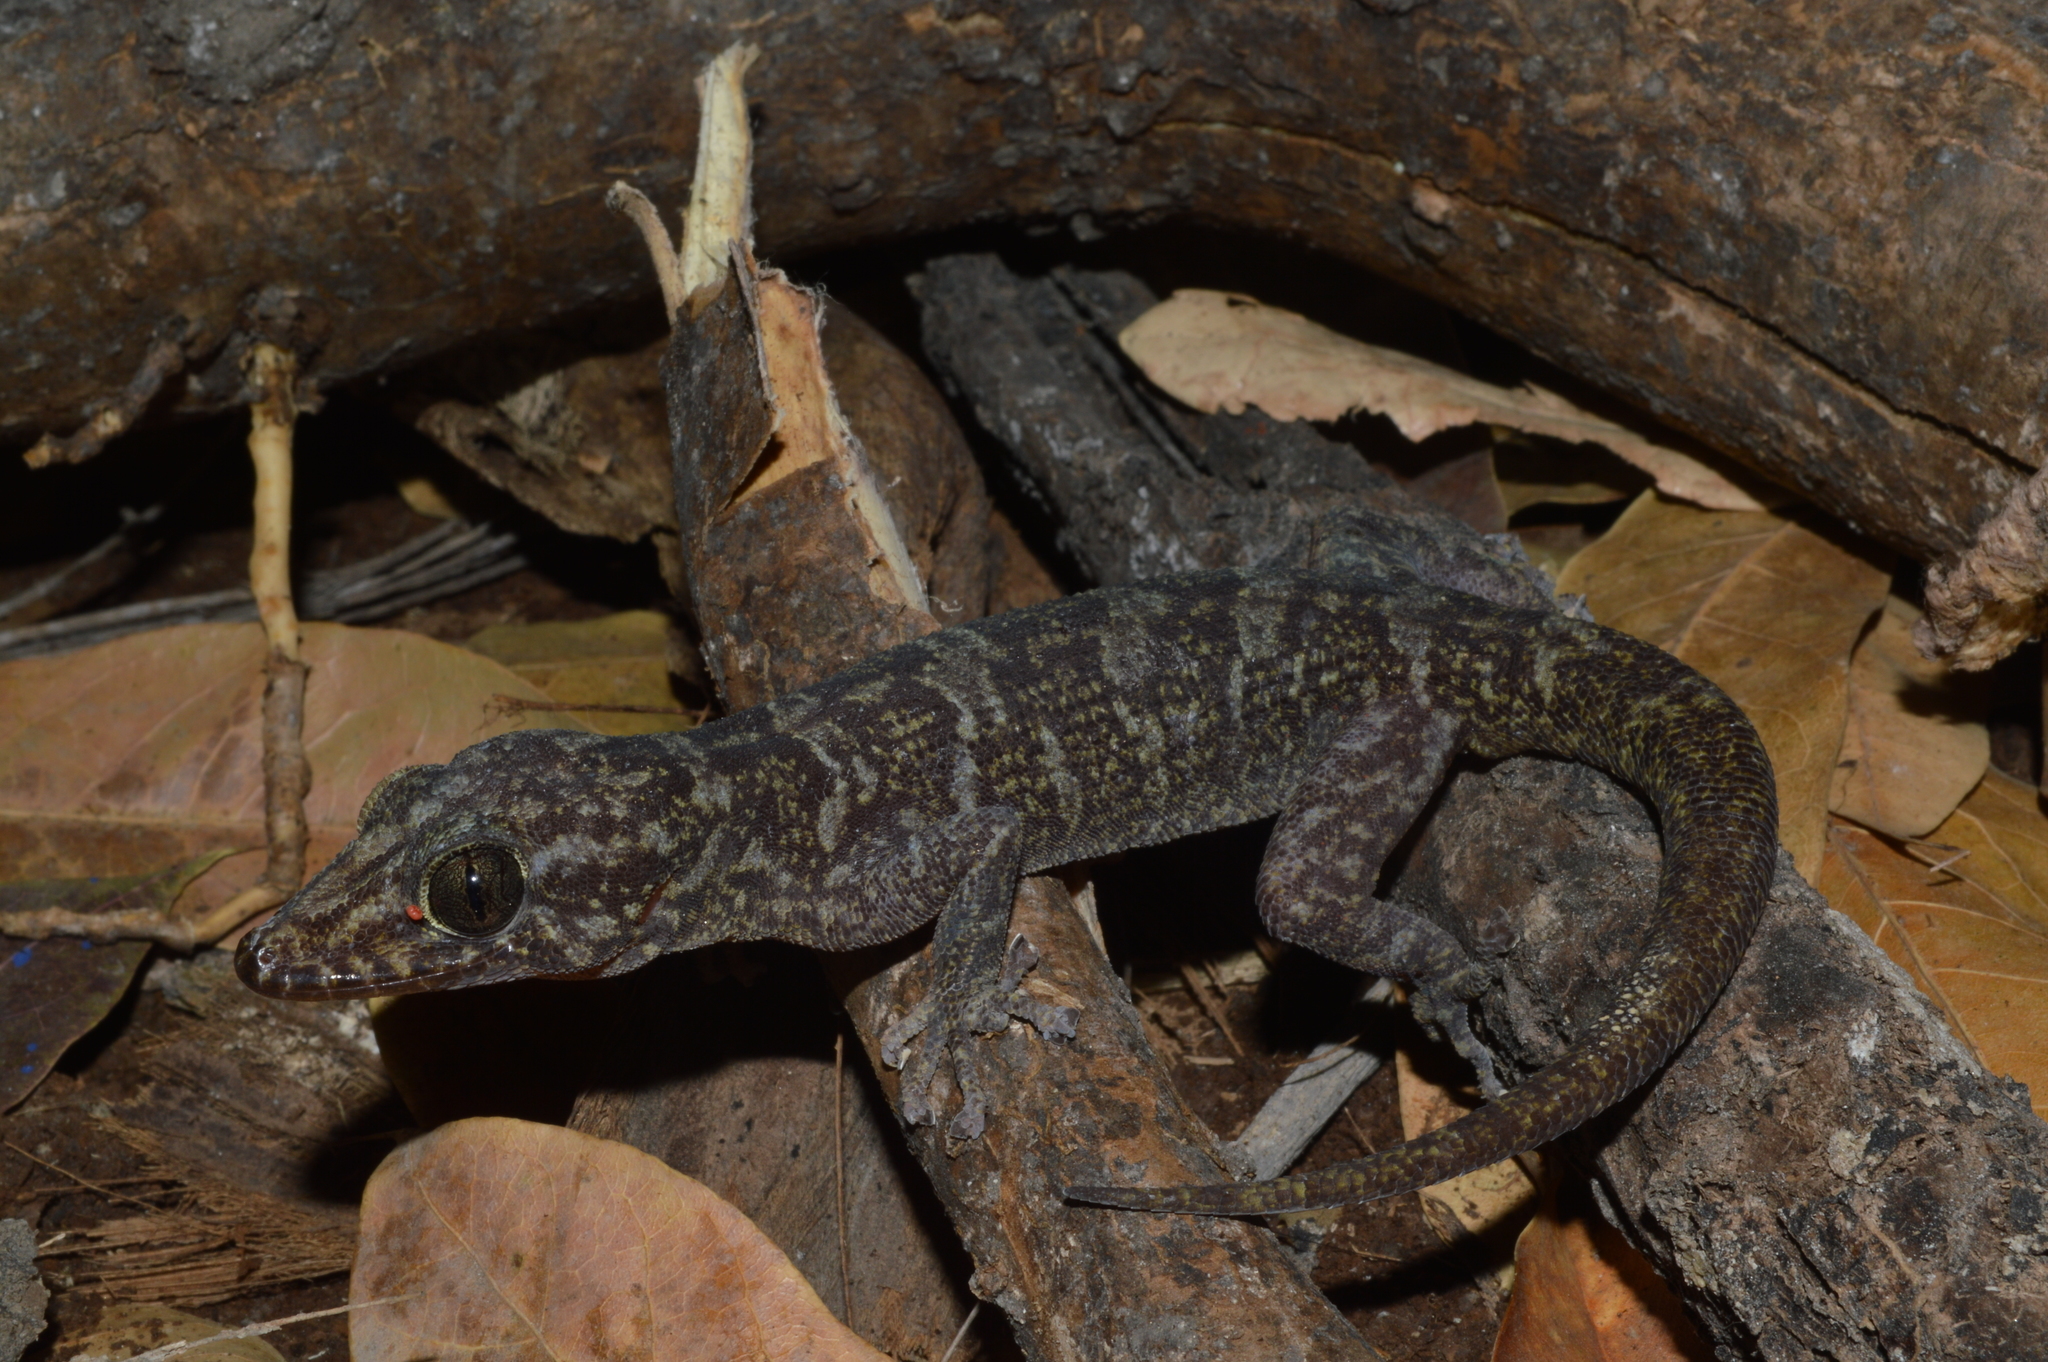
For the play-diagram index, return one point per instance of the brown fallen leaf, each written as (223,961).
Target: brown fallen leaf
(1487,1205)
(1583,1294)
(1915,742)
(1972,934)
(621,659)
(1765,607)
(1532,474)
(127,1330)
(54,990)
(1224,350)
(507,1238)
(145,751)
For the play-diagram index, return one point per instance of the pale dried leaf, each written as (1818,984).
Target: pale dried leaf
(620,659)
(1226,351)
(1974,935)
(1915,743)
(506,1238)
(147,750)
(1768,609)
(124,1331)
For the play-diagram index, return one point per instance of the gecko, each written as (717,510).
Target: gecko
(918,785)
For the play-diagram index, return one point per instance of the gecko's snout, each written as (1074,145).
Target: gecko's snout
(263,967)
(266,968)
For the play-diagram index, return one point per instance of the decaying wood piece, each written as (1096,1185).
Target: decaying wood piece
(1822,1169)
(1080,1282)
(1802,233)
(795,567)
(782,587)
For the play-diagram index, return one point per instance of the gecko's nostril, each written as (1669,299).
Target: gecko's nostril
(254,964)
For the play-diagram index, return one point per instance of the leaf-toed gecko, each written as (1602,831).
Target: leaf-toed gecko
(921,783)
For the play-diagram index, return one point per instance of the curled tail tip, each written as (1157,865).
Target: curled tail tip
(1244,1198)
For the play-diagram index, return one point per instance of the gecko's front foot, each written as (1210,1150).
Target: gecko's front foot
(1444,1009)
(949,1020)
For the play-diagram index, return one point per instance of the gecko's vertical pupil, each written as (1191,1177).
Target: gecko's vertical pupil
(475,890)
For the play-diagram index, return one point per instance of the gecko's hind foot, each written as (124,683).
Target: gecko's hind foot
(949,1024)
(1445,1014)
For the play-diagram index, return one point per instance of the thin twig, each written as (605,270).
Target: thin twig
(271,1326)
(67,1173)
(636,207)
(839,1173)
(131,523)
(287,775)
(1209,1008)
(965,1325)
(163,359)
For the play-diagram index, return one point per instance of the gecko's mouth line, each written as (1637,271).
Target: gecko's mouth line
(265,969)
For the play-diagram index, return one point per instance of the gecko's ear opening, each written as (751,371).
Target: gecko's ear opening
(474,890)
(388,800)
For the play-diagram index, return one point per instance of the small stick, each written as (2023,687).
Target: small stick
(271,1326)
(637,208)
(1208,1006)
(164,358)
(67,1173)
(286,773)
(131,521)
(965,1325)
(839,1171)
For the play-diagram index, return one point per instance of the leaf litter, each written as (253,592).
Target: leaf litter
(511,1238)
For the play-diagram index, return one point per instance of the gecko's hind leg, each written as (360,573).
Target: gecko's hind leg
(1323,862)
(976,982)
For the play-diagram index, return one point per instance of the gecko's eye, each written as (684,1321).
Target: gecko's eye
(475,890)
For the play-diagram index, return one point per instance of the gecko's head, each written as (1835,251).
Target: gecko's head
(533,854)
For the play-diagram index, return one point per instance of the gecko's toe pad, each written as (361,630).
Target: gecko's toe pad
(951,1049)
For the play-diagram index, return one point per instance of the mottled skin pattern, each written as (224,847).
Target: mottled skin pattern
(921,783)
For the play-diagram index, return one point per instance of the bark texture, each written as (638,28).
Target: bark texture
(1808,234)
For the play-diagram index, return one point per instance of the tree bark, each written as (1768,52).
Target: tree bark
(1806,234)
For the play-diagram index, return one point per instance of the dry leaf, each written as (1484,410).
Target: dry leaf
(146,751)
(1482,1204)
(127,1330)
(511,1239)
(1532,474)
(1583,1294)
(1915,742)
(1974,934)
(1224,350)
(1766,608)
(54,991)
(617,660)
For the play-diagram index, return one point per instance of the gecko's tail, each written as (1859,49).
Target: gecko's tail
(1674,735)
(1544,1107)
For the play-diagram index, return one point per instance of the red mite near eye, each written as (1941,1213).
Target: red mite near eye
(412,910)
